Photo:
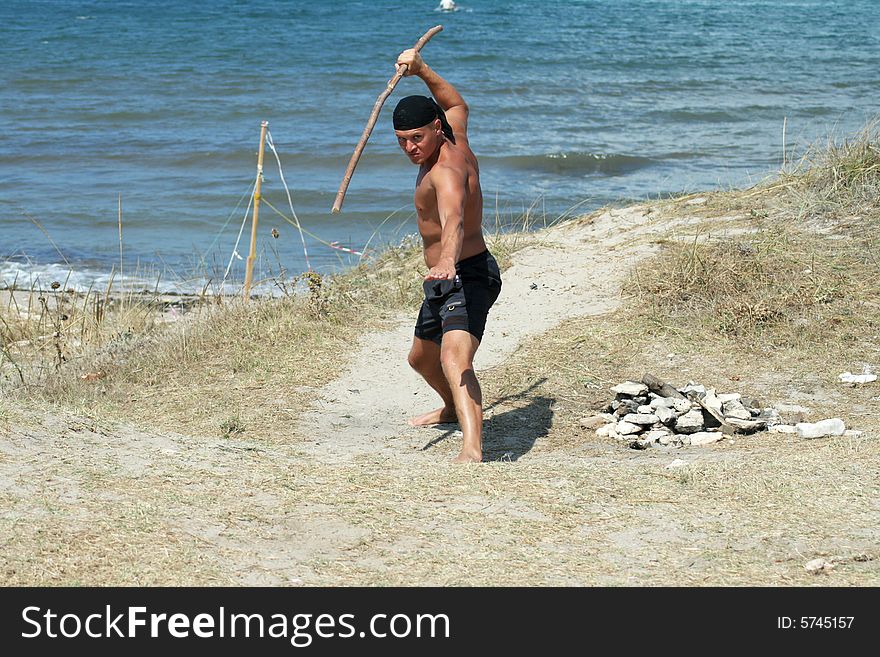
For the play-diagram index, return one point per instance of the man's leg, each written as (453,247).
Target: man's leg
(457,361)
(424,358)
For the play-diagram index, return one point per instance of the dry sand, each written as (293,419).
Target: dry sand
(574,269)
(354,496)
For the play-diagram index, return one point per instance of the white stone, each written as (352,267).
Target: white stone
(690,422)
(848,377)
(746,426)
(782,428)
(682,405)
(666,415)
(645,419)
(852,433)
(649,438)
(693,387)
(645,409)
(705,437)
(711,400)
(818,565)
(630,388)
(661,402)
(605,431)
(821,429)
(726,397)
(625,428)
(656,434)
(677,463)
(734,408)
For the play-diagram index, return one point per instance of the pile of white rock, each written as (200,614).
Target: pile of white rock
(651,412)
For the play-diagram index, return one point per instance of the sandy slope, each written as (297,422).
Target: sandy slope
(257,513)
(571,270)
(354,496)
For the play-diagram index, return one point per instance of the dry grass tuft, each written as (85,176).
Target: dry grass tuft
(782,288)
(806,272)
(136,358)
(43,333)
(839,182)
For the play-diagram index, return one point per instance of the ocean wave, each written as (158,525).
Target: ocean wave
(572,163)
(40,279)
(699,116)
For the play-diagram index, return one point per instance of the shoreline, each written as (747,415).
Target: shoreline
(23,298)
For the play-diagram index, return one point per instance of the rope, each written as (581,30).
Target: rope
(294,222)
(240,231)
(332,245)
(289,201)
(228,219)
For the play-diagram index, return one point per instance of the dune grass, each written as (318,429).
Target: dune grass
(773,294)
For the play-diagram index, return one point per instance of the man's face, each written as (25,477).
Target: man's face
(420,144)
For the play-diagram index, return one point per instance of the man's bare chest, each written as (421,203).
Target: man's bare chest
(425,199)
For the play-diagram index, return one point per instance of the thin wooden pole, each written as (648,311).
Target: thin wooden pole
(349,172)
(252,254)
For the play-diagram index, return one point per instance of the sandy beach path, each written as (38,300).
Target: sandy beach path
(573,269)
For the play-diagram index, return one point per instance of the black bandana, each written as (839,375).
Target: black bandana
(417,111)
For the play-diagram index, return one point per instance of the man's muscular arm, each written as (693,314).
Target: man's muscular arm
(451,188)
(444,93)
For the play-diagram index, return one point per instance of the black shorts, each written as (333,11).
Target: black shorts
(461,303)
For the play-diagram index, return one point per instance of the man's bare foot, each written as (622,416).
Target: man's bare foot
(440,416)
(468,456)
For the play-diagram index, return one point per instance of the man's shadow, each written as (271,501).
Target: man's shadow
(509,435)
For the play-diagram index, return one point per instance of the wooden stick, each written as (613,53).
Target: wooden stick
(661,388)
(349,172)
(252,254)
(726,428)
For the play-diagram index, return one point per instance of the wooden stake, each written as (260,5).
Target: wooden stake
(349,172)
(252,254)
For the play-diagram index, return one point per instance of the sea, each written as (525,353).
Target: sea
(129,131)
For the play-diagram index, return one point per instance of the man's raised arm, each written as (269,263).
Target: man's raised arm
(443,92)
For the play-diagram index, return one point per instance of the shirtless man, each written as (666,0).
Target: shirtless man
(463,280)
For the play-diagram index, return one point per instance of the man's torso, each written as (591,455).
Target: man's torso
(462,159)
